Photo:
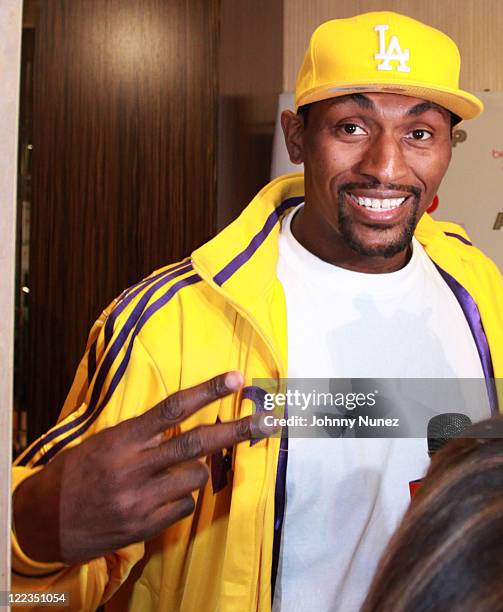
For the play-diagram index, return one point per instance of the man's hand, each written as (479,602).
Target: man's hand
(127,483)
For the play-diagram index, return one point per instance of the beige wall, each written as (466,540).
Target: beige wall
(475,25)
(251,77)
(10,51)
(251,45)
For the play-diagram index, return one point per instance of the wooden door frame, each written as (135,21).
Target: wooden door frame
(10,57)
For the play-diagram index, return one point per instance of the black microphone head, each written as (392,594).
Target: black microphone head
(443,427)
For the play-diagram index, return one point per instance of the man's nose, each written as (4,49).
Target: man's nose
(384,160)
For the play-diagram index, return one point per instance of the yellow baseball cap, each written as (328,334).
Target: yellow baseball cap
(383,52)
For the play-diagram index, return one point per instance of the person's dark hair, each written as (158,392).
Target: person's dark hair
(447,553)
(303,111)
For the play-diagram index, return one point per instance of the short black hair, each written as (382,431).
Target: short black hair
(303,111)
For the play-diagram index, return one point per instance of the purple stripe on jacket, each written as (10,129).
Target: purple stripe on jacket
(472,314)
(256,241)
(172,272)
(257,395)
(459,237)
(91,362)
(124,299)
(152,309)
(105,366)
(279,504)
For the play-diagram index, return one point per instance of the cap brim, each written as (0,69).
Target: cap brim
(460,102)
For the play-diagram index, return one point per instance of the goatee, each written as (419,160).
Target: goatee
(392,246)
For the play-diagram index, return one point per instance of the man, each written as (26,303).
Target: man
(99,501)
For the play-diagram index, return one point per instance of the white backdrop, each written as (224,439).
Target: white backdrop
(472,191)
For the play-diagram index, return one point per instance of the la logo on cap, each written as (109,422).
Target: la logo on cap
(393,53)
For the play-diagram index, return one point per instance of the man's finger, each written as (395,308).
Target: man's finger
(205,440)
(179,406)
(174,483)
(166,515)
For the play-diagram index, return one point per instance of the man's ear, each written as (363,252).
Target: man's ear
(293,130)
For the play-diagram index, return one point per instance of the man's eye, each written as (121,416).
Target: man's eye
(420,134)
(351,128)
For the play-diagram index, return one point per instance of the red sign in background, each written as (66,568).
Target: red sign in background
(433,206)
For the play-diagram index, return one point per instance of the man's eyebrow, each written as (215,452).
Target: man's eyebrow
(422,107)
(366,104)
(362,101)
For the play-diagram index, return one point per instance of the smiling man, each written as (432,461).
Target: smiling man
(156,491)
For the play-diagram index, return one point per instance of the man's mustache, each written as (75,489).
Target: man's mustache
(415,191)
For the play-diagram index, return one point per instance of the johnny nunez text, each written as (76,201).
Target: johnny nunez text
(328,421)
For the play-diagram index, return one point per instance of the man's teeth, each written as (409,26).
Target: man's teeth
(378,203)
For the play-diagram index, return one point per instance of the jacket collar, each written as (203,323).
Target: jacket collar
(242,258)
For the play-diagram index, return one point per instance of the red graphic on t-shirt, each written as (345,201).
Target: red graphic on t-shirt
(414,487)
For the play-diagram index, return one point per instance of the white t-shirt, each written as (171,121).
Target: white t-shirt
(345,497)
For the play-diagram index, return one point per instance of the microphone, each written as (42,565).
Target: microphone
(441,429)
(444,427)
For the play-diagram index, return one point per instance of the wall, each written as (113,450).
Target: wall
(475,25)
(125,116)
(10,59)
(250,75)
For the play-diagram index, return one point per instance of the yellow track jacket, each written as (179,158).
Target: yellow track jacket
(221,309)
